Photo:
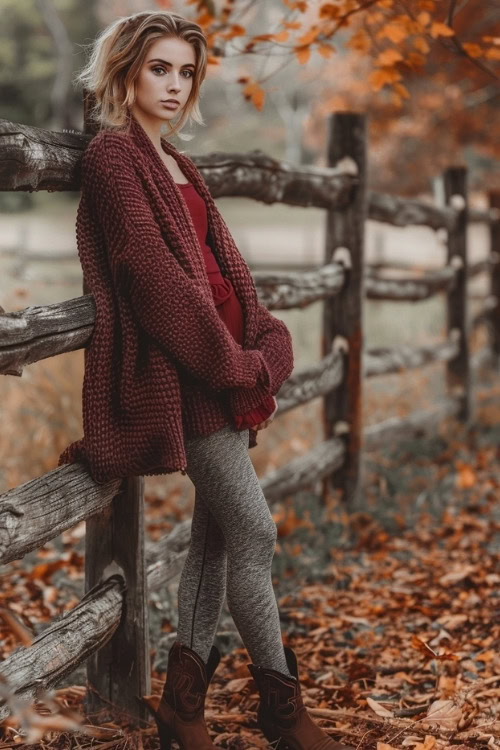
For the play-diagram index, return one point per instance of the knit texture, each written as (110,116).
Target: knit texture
(161,364)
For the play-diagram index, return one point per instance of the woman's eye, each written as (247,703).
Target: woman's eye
(158,67)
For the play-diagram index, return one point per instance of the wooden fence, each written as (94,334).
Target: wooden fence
(109,627)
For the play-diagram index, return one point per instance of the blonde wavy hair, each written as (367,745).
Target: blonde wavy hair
(116,56)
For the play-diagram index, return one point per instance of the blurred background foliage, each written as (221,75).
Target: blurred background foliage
(432,98)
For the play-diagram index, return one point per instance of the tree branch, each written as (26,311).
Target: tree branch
(458,45)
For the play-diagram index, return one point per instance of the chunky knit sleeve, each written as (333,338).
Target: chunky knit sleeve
(255,416)
(165,300)
(274,341)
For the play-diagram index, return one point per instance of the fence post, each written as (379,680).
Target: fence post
(494,313)
(343,312)
(458,369)
(114,543)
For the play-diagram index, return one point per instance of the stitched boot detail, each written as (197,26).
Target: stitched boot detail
(281,714)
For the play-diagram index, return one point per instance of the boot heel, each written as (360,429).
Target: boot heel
(165,735)
(164,732)
(145,703)
(276,742)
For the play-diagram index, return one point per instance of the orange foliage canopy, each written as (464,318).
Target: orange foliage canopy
(399,36)
(434,61)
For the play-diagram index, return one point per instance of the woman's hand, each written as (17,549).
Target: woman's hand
(270,418)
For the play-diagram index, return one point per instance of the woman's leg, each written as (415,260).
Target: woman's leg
(202,585)
(230,503)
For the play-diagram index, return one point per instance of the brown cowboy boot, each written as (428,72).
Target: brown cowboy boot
(179,714)
(282,716)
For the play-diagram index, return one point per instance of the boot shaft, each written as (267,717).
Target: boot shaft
(280,696)
(187,680)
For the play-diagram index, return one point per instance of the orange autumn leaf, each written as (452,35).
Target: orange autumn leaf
(303,54)
(492,54)
(289,522)
(258,99)
(428,744)
(429,652)
(212,60)
(474,50)
(254,92)
(235,30)
(204,19)
(328,10)
(423,18)
(17,628)
(325,50)
(394,31)
(466,477)
(388,57)
(415,60)
(383,76)
(420,43)
(360,41)
(486,656)
(262,37)
(441,29)
(309,36)
(250,88)
(374,17)
(281,36)
(300,5)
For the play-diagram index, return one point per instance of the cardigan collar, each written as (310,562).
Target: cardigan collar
(171,194)
(144,142)
(225,250)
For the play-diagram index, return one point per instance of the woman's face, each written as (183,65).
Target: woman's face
(166,73)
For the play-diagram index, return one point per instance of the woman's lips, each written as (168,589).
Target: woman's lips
(170,105)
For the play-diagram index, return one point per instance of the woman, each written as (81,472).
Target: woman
(183,365)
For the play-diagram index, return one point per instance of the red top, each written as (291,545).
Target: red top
(226,301)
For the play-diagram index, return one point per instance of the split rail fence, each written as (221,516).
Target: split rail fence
(109,627)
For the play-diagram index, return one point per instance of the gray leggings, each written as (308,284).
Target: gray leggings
(233,537)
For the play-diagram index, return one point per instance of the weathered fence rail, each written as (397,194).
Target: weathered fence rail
(109,627)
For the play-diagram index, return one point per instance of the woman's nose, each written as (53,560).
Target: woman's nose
(174,83)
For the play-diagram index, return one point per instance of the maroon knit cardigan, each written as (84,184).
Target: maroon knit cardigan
(161,365)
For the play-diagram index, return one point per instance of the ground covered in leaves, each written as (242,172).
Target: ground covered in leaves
(393,612)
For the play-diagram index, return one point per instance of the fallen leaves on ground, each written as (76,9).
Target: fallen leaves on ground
(398,639)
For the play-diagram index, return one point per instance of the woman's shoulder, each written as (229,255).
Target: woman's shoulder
(109,143)
(110,152)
